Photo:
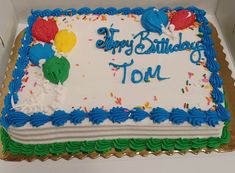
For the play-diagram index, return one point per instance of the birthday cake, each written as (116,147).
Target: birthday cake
(96,80)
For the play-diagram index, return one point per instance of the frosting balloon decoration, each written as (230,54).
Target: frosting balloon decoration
(154,21)
(39,51)
(65,41)
(56,69)
(183,19)
(44,30)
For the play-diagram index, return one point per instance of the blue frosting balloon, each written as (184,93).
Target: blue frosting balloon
(152,20)
(38,52)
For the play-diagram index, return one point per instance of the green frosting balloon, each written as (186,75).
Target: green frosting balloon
(56,69)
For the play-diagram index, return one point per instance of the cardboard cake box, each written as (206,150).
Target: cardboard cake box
(13,17)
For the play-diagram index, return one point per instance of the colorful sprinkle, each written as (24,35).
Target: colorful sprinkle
(111,94)
(25,79)
(196,25)
(186,105)
(205,80)
(85,98)
(190,75)
(31,92)
(118,101)
(208,86)
(213,108)
(96,18)
(209,99)
(155,98)
(147,105)
(141,107)
(186,88)
(182,89)
(85,109)
(202,63)
(103,18)
(126,110)
(26,72)
(21,88)
(77,65)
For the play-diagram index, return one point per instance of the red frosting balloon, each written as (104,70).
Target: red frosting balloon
(44,30)
(183,19)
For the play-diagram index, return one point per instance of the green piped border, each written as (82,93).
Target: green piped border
(120,145)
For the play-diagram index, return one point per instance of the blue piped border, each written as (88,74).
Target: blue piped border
(194,116)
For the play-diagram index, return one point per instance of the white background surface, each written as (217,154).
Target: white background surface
(209,163)
(222,162)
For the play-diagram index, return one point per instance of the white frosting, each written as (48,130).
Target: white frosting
(91,80)
(92,83)
(46,97)
(108,130)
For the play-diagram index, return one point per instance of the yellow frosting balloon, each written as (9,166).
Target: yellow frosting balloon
(65,41)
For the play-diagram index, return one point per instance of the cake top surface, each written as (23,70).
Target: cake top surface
(130,60)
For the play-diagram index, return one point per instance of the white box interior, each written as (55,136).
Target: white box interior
(14,13)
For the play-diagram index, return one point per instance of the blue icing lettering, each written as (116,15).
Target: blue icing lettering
(142,44)
(136,75)
(38,52)
(124,66)
(109,44)
(149,74)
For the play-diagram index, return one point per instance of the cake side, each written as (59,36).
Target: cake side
(118,145)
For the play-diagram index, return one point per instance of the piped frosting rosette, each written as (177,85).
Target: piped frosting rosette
(48,42)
